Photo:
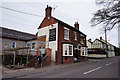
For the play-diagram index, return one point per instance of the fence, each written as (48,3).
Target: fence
(21,56)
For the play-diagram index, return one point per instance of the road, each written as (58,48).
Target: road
(100,68)
(103,68)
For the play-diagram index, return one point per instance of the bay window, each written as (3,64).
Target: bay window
(70,50)
(83,51)
(67,50)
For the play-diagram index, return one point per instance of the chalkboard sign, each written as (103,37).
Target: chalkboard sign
(52,34)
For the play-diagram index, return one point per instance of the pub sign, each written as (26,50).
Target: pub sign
(52,34)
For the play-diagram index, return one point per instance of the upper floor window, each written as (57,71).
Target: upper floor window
(75,36)
(13,45)
(33,45)
(104,46)
(28,45)
(66,33)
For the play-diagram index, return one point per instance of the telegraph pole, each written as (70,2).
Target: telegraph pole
(105,35)
(106,40)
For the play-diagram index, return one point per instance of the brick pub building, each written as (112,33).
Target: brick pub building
(65,41)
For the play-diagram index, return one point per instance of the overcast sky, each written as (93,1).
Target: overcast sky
(67,11)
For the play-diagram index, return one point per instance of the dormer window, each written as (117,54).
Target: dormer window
(66,33)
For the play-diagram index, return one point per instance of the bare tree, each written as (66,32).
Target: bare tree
(109,15)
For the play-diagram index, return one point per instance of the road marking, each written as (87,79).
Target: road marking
(92,70)
(108,64)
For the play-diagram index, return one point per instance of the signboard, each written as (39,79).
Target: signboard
(52,34)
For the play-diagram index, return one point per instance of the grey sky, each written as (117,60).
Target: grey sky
(68,12)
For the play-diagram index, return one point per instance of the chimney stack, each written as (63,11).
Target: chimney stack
(101,38)
(48,11)
(76,25)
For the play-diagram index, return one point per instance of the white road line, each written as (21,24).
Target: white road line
(108,64)
(92,70)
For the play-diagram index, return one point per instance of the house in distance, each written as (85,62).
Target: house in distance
(99,48)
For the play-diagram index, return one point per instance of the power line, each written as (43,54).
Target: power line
(20,11)
(17,22)
(66,14)
(16,17)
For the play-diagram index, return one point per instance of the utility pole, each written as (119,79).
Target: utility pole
(106,40)
(105,35)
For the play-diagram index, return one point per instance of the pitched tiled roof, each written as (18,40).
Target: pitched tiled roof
(67,25)
(13,34)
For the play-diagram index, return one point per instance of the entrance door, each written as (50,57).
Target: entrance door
(77,51)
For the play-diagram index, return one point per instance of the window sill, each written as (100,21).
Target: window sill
(75,39)
(66,39)
(67,55)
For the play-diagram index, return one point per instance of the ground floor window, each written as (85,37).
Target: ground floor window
(83,51)
(67,49)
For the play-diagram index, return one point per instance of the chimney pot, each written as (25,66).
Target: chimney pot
(48,11)
(100,38)
(76,25)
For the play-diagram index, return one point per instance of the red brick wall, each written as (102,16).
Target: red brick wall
(47,60)
(47,22)
(60,39)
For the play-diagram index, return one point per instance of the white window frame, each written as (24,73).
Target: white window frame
(67,45)
(14,45)
(66,38)
(70,51)
(75,35)
(84,51)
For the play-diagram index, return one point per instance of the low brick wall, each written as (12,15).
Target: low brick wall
(68,60)
(63,60)
(83,59)
(33,62)
(46,61)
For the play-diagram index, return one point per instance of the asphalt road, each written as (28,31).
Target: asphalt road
(102,68)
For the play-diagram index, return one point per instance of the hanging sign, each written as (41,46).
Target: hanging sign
(52,34)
